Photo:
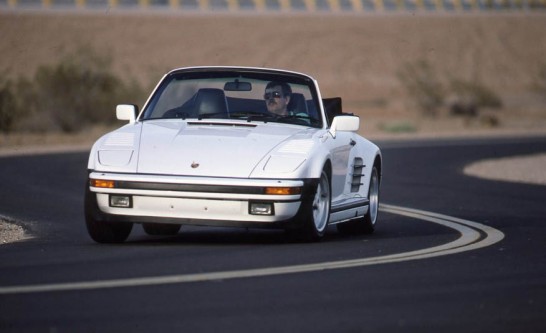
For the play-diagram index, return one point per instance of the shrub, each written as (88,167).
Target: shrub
(466,97)
(7,105)
(398,127)
(470,98)
(476,94)
(422,83)
(77,91)
(539,84)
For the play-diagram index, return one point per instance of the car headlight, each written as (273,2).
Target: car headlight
(283,164)
(115,157)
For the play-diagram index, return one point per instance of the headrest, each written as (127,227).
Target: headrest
(210,101)
(297,103)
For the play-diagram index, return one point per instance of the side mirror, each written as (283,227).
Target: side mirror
(127,112)
(344,124)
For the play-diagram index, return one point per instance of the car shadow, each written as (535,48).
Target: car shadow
(391,227)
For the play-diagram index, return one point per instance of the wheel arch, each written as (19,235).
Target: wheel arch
(328,168)
(378,164)
(315,163)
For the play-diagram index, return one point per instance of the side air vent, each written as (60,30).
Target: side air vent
(356,180)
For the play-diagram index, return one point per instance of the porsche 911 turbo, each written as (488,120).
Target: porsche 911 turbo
(233,147)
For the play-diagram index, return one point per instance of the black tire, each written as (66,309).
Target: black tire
(317,211)
(161,229)
(102,231)
(366,224)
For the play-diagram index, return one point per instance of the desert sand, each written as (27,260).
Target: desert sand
(356,57)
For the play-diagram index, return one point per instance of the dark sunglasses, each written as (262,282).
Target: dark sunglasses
(274,94)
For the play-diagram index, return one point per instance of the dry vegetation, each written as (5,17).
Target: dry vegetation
(360,58)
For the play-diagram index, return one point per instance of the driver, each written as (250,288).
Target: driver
(277,97)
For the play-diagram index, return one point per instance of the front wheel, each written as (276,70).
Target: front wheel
(99,230)
(373,210)
(317,212)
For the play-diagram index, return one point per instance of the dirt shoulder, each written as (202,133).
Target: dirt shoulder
(529,169)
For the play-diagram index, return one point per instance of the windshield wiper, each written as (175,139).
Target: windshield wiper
(249,116)
(262,117)
(300,119)
(213,115)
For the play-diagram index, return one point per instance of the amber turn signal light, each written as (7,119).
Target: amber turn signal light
(102,183)
(282,190)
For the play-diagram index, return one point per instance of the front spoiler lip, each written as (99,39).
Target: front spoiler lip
(202,222)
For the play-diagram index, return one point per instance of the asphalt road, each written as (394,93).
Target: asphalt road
(498,288)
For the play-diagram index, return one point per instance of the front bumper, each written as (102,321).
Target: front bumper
(199,200)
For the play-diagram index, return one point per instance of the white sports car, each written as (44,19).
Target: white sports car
(233,146)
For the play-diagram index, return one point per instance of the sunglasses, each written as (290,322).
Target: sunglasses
(274,94)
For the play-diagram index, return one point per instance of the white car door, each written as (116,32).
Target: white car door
(341,156)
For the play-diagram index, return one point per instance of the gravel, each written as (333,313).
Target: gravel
(11,232)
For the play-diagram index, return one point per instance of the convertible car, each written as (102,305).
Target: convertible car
(233,146)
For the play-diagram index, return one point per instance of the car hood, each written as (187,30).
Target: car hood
(201,148)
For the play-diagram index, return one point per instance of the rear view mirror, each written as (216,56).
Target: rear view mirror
(238,86)
(127,112)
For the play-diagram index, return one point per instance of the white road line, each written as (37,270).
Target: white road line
(473,236)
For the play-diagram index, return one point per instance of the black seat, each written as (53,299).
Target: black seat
(297,104)
(210,101)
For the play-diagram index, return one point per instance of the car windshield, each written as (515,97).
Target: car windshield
(232,95)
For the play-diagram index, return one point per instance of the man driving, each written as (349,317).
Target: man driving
(277,97)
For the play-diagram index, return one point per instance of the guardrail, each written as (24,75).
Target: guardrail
(282,6)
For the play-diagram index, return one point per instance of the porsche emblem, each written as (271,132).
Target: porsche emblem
(194,165)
